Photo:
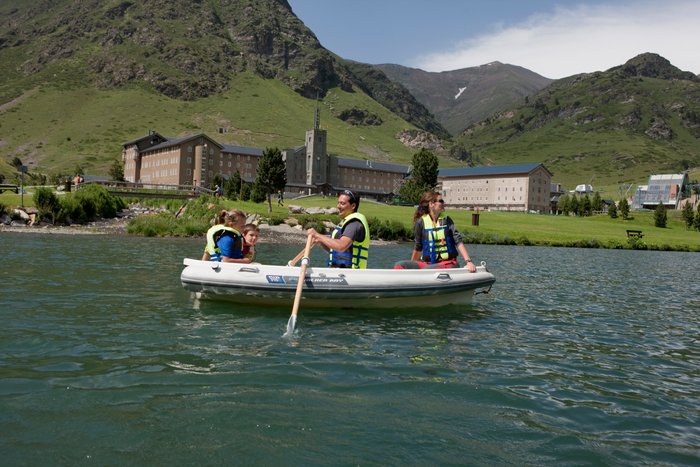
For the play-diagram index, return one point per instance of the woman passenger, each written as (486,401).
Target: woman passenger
(437,241)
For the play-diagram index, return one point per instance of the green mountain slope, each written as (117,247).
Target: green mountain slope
(79,78)
(609,128)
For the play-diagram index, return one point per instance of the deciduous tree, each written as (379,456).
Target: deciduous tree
(423,176)
(116,171)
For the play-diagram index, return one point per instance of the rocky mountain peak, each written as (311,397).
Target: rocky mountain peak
(651,65)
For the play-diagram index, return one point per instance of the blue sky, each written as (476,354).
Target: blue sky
(552,38)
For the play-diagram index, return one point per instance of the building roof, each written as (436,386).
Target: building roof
(512,169)
(144,138)
(667,178)
(245,150)
(367,164)
(178,141)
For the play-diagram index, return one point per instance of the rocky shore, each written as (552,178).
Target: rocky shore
(282,233)
(271,234)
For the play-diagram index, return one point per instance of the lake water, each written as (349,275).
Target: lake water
(577,357)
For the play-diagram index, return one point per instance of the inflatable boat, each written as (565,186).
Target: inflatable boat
(331,287)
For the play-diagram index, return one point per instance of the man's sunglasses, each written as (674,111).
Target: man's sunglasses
(351,195)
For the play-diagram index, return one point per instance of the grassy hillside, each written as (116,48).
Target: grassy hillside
(77,79)
(607,129)
(54,129)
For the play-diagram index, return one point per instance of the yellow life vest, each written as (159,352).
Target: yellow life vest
(437,246)
(357,257)
(213,234)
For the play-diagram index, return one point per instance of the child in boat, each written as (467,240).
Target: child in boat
(213,234)
(250,236)
(229,245)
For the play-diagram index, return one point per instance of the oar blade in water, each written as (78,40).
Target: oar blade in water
(291,324)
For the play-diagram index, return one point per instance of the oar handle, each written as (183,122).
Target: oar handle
(301,254)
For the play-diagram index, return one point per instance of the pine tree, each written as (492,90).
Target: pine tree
(624,208)
(272,175)
(597,203)
(660,216)
(573,205)
(584,206)
(612,211)
(563,204)
(688,215)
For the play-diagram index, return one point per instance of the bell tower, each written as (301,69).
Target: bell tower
(317,165)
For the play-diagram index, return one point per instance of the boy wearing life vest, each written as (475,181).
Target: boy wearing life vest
(250,236)
(348,244)
(437,241)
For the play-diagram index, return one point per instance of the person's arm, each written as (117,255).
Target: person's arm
(328,243)
(457,238)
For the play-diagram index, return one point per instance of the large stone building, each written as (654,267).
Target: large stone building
(515,187)
(195,160)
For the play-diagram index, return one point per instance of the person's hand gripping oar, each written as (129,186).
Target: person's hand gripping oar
(300,284)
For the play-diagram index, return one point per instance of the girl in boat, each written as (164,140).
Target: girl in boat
(227,239)
(437,241)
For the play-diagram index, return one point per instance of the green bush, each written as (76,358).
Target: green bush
(156,225)
(72,211)
(97,202)
(47,203)
(164,224)
(384,229)
(276,220)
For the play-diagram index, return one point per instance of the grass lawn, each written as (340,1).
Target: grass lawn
(505,227)
(524,228)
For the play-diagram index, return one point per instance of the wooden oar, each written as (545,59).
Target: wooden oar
(294,260)
(300,284)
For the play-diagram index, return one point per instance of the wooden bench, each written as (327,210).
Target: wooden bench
(634,234)
(8,187)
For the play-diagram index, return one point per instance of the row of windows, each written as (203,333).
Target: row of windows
(160,173)
(498,198)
